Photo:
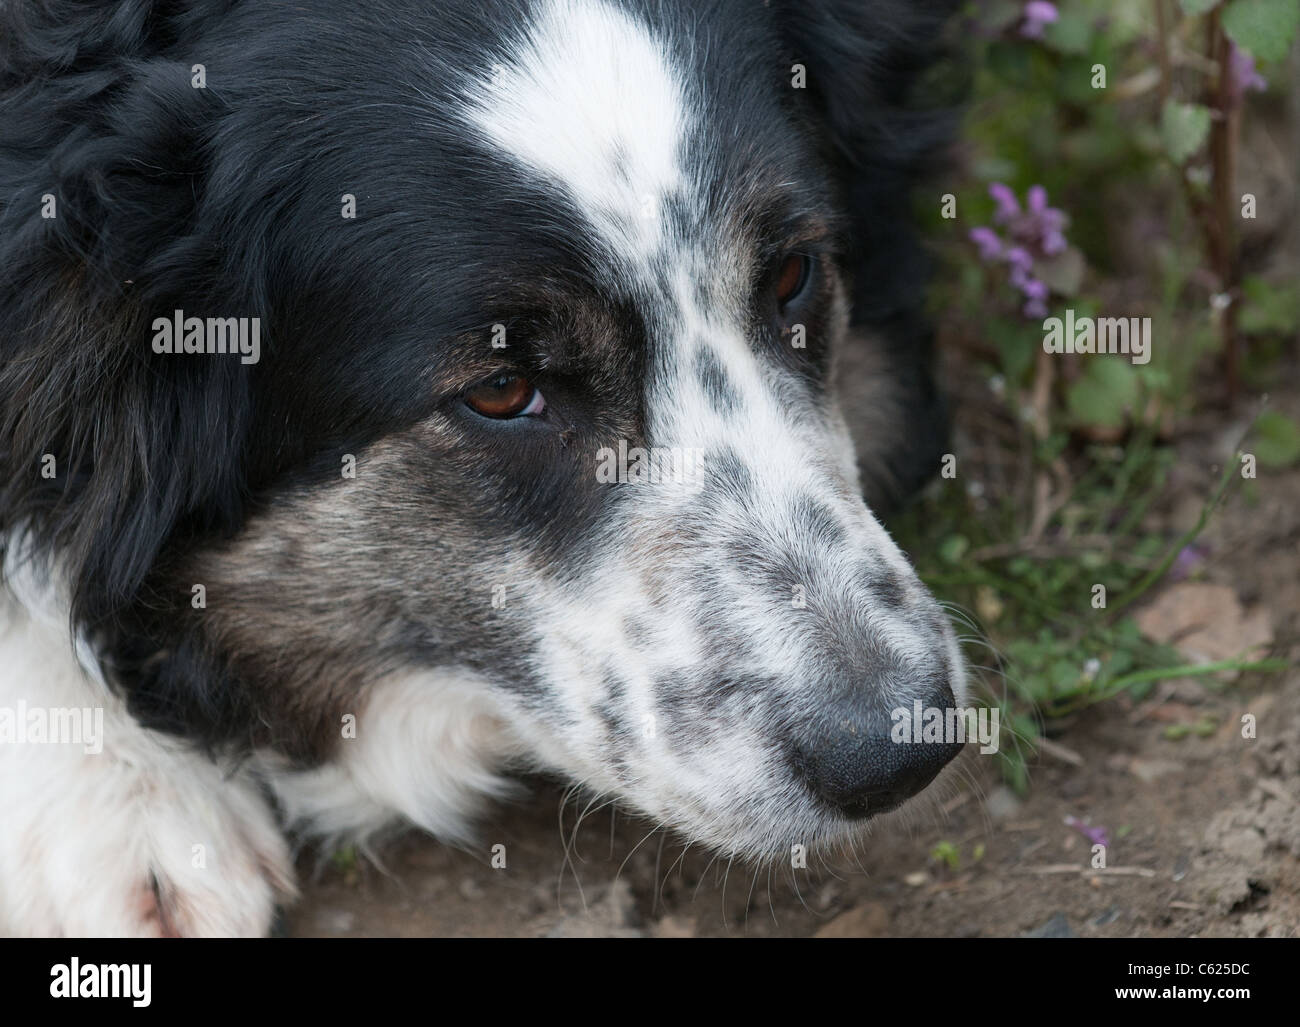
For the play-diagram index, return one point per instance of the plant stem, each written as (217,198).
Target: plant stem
(1186,539)
(1222,241)
(1162,49)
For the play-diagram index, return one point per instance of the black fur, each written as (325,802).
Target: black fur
(885,139)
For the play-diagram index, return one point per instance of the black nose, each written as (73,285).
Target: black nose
(863,759)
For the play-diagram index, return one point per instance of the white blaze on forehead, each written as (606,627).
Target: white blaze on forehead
(588,97)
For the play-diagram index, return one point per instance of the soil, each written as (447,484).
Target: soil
(1203,831)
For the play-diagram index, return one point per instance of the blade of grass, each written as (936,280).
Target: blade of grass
(1190,670)
(1184,540)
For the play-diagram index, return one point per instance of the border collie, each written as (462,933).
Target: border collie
(323,327)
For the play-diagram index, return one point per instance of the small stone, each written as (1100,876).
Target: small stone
(1247,846)
(1206,623)
(673,926)
(613,916)
(1002,803)
(870,920)
(1147,771)
(336,921)
(1108,917)
(828,897)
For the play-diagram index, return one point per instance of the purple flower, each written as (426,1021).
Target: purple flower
(1187,561)
(1241,75)
(1034,289)
(1019,259)
(1032,233)
(1035,292)
(1037,14)
(1008,205)
(1096,835)
(988,242)
(1053,242)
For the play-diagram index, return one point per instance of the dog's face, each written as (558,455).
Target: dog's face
(555,412)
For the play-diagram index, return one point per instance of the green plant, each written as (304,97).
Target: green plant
(1103,139)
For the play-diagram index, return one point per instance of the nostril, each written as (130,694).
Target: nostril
(855,762)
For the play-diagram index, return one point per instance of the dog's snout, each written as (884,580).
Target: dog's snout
(865,757)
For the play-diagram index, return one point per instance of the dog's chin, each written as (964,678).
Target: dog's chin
(802,833)
(806,833)
(825,838)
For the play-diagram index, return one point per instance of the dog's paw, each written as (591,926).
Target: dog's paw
(218,865)
(108,829)
(154,841)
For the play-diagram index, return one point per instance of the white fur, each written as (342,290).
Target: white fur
(426,749)
(84,837)
(588,86)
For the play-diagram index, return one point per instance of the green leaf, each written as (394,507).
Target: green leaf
(1062,272)
(1264,27)
(1196,6)
(1183,128)
(1010,62)
(1051,447)
(1016,774)
(1071,33)
(999,15)
(345,858)
(948,854)
(1277,440)
(1017,345)
(1064,677)
(1105,394)
(953,548)
(1269,309)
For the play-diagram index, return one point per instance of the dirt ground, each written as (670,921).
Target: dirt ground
(1204,831)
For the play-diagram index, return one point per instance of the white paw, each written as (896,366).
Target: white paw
(144,837)
(113,849)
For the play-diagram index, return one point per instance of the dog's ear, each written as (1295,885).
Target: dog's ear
(106,448)
(869,97)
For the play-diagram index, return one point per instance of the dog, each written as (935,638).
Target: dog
(398,397)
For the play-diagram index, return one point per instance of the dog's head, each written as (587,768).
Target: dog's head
(550,299)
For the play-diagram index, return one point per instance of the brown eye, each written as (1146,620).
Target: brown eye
(792,277)
(505,396)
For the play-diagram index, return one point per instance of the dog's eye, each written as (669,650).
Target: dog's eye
(792,278)
(505,396)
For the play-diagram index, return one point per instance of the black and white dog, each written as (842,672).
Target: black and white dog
(343,346)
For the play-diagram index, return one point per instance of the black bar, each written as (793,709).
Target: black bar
(361,978)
